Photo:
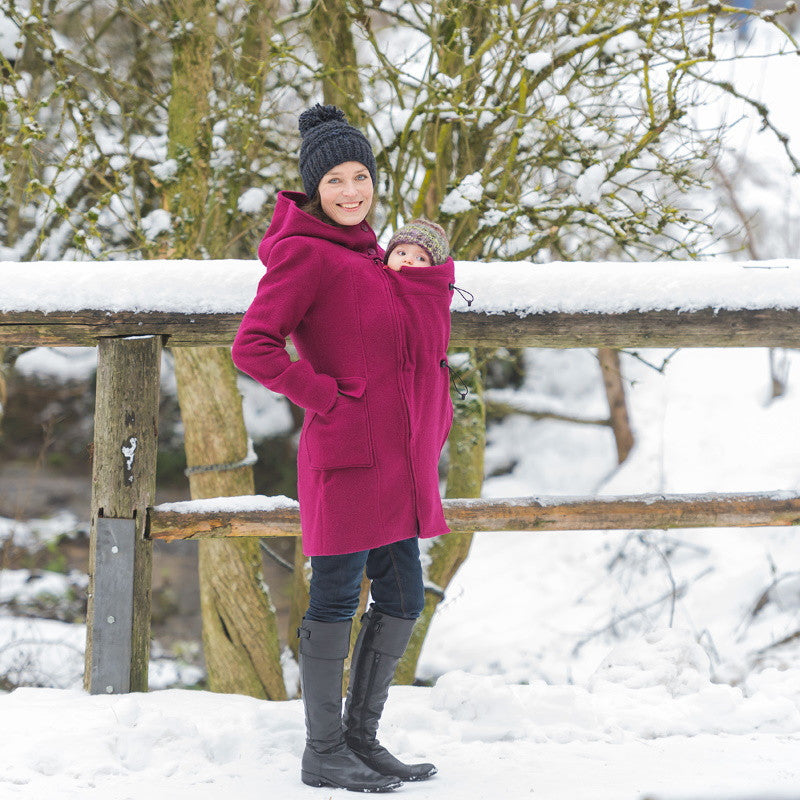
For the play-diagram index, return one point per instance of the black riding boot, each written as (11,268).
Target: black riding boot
(327,760)
(381,642)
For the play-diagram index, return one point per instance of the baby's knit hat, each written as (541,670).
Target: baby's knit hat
(329,140)
(428,235)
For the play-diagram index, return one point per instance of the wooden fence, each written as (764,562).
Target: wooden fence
(124,522)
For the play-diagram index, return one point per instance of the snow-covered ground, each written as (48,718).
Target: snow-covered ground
(180,744)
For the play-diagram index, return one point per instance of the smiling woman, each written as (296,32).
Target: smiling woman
(333,157)
(372,344)
(345,193)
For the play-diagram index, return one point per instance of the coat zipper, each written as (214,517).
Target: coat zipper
(398,335)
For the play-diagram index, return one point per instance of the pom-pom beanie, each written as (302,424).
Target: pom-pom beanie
(428,235)
(329,140)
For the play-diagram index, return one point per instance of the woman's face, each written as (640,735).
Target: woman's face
(345,193)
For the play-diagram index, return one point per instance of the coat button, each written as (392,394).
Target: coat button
(364,226)
(372,252)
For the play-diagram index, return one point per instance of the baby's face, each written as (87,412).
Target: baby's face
(408,255)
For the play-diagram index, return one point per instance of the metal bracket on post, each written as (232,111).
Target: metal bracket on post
(112,623)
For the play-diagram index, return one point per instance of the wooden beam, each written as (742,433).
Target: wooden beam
(522,514)
(765,327)
(668,328)
(85,328)
(171,526)
(647,511)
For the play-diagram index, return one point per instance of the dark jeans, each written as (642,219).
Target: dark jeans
(395,572)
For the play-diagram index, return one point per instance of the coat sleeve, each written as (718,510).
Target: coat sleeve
(284,295)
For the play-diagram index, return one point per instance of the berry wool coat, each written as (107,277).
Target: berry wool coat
(372,376)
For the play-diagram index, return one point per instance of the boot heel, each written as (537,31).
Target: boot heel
(311,780)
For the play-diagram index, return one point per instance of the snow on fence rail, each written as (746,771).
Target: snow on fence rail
(661,304)
(131,310)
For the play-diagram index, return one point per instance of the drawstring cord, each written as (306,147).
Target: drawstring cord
(454,376)
(463,293)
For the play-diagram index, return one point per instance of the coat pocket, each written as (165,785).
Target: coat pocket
(341,438)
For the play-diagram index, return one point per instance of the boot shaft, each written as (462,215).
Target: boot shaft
(379,647)
(322,650)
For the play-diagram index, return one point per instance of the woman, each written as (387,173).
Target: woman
(372,376)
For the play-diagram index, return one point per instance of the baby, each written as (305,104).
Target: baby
(420,243)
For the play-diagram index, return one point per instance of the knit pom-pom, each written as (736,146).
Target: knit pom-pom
(312,117)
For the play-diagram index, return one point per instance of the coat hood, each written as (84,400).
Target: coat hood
(289,219)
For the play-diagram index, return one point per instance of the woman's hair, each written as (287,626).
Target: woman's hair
(313,206)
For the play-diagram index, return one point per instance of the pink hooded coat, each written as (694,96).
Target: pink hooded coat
(372,375)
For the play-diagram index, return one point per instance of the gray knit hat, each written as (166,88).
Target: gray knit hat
(428,235)
(329,140)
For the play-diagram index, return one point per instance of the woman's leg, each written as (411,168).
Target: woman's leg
(396,574)
(324,644)
(335,586)
(398,599)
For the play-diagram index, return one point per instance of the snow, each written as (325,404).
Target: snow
(34,533)
(62,364)
(460,199)
(230,505)
(129,453)
(11,39)
(537,61)
(615,288)
(24,586)
(252,201)
(50,653)
(156,222)
(201,745)
(185,286)
(166,170)
(587,186)
(266,414)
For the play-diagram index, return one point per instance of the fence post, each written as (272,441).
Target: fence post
(123,486)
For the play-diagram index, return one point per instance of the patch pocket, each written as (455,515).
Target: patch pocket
(341,438)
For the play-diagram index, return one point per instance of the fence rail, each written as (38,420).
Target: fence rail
(765,327)
(516,514)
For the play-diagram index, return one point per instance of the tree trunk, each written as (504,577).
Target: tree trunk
(299,599)
(239,630)
(4,370)
(330,31)
(226,237)
(466,443)
(617,405)
(240,635)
